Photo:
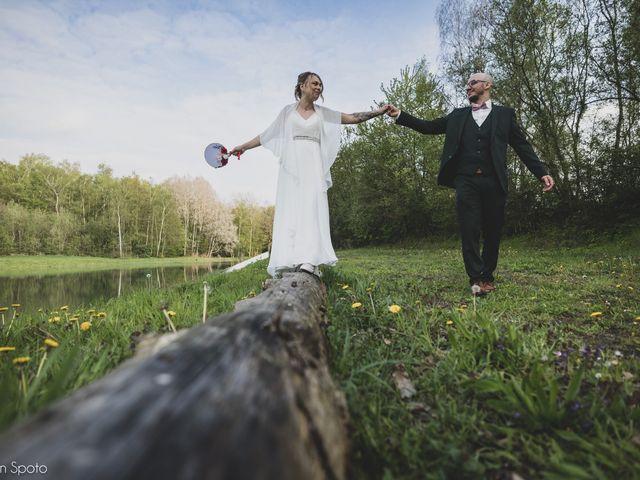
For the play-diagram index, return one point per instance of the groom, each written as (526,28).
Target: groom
(474,163)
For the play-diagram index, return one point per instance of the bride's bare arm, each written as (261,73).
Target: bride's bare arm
(240,149)
(350,118)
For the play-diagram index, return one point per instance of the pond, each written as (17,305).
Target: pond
(89,288)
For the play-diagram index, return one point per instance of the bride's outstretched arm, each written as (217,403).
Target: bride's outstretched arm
(350,118)
(240,149)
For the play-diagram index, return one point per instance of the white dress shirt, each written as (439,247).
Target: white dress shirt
(481,115)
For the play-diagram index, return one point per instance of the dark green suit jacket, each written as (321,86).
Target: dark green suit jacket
(504,130)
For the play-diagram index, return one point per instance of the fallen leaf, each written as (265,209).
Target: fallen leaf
(403,384)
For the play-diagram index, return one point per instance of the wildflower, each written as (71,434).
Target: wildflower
(630,288)
(475,289)
(395,308)
(449,322)
(64,308)
(91,311)
(171,313)
(51,343)
(102,315)
(345,286)
(84,326)
(148,275)
(7,349)
(598,376)
(618,353)
(75,318)
(368,289)
(15,305)
(356,305)
(596,314)
(3,309)
(54,319)
(21,360)
(638,318)
(618,286)
(574,406)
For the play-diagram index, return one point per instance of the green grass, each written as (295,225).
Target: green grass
(86,355)
(525,381)
(25,265)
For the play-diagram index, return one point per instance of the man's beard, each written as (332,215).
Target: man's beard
(473,98)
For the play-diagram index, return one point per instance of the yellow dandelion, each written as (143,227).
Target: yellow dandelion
(21,360)
(395,308)
(418,302)
(368,289)
(345,286)
(356,305)
(630,288)
(101,315)
(638,317)
(449,322)
(75,318)
(3,309)
(51,343)
(171,313)
(618,286)
(7,349)
(91,311)
(84,326)
(54,319)
(15,305)
(64,308)
(596,314)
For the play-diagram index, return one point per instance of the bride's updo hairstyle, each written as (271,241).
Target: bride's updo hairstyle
(303,78)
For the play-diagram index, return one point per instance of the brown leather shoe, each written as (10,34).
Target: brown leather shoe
(487,286)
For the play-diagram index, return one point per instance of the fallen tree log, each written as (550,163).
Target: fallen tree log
(247,395)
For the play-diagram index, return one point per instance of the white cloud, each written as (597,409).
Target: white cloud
(145,90)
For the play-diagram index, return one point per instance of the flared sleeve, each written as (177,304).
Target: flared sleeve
(277,138)
(329,140)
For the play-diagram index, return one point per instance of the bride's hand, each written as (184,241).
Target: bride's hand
(237,151)
(382,110)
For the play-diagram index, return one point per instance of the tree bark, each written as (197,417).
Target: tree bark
(245,396)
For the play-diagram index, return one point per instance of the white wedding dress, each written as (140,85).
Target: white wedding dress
(301,222)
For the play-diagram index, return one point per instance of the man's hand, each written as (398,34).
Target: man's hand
(393,111)
(548,183)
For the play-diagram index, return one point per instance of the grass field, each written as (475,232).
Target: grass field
(539,379)
(23,265)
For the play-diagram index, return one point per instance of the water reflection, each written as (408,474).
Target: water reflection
(89,288)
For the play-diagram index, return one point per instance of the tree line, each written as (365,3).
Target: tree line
(568,67)
(55,209)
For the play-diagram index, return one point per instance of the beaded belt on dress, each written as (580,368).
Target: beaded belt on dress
(305,137)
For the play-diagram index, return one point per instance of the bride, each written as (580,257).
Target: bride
(305,137)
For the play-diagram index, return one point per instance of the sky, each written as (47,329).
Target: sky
(145,86)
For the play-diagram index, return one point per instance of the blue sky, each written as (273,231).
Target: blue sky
(144,86)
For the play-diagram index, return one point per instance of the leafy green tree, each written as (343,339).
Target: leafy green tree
(385,176)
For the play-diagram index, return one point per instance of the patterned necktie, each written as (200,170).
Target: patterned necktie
(476,107)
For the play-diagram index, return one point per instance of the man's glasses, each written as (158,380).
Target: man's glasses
(471,83)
